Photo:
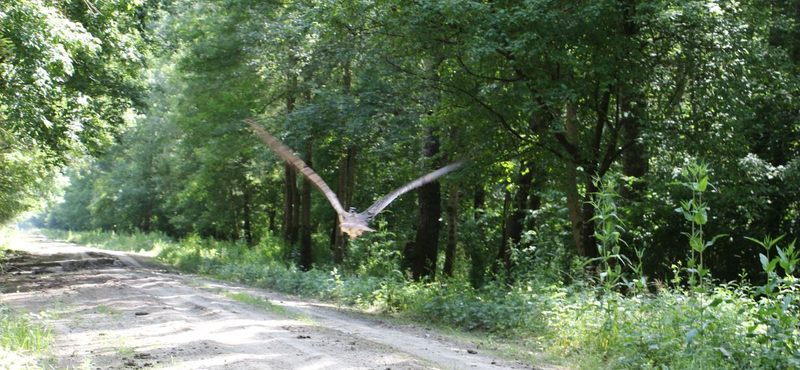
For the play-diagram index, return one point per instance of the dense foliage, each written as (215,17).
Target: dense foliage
(621,144)
(69,75)
(543,98)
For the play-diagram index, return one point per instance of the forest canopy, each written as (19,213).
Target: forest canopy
(547,99)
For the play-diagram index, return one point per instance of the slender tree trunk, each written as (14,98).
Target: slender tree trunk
(634,159)
(633,106)
(288,204)
(296,204)
(478,202)
(534,203)
(248,229)
(306,259)
(474,247)
(571,180)
(346,179)
(145,227)
(503,251)
(516,216)
(345,194)
(272,228)
(338,239)
(426,242)
(452,231)
(290,210)
(587,233)
(235,232)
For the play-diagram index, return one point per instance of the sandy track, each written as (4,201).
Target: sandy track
(117,310)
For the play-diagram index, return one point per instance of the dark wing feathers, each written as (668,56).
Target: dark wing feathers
(286,154)
(389,198)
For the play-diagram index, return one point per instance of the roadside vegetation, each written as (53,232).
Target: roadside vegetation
(25,341)
(608,317)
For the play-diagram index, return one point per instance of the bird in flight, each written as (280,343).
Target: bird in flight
(352,223)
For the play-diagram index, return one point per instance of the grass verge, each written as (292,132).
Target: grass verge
(25,342)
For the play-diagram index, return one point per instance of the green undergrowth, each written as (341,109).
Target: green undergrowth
(25,342)
(580,325)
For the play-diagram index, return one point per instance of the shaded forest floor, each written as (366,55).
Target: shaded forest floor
(115,310)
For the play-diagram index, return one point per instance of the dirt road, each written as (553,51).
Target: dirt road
(113,310)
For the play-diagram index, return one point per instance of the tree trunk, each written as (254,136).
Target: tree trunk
(634,159)
(296,214)
(272,228)
(426,242)
(452,231)
(289,207)
(345,194)
(478,202)
(534,203)
(571,180)
(587,233)
(633,105)
(288,204)
(145,226)
(515,217)
(306,259)
(346,178)
(235,233)
(248,229)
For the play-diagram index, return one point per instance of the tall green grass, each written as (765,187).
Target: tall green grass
(25,342)
(23,333)
(577,324)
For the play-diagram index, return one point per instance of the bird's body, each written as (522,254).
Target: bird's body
(352,223)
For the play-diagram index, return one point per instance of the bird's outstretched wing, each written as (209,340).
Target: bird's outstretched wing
(286,154)
(389,198)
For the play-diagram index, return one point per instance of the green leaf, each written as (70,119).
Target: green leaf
(714,239)
(700,218)
(691,335)
(759,242)
(697,245)
(701,186)
(773,263)
(764,262)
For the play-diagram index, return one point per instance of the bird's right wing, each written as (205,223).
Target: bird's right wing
(389,198)
(286,154)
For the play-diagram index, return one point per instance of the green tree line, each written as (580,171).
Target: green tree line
(71,73)
(546,100)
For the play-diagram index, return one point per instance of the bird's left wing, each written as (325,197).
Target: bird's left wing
(389,198)
(286,154)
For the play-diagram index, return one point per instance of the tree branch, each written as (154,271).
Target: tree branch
(474,74)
